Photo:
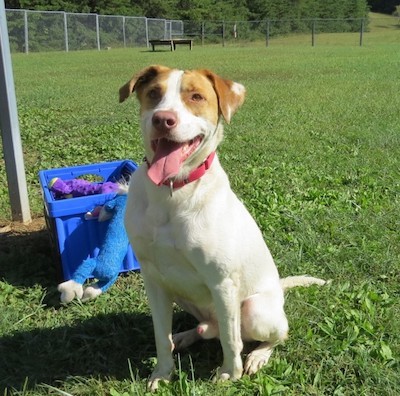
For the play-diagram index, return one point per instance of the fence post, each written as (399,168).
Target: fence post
(66,32)
(97,32)
(361,32)
(147,32)
(26,32)
(123,30)
(223,33)
(9,130)
(267,34)
(313,34)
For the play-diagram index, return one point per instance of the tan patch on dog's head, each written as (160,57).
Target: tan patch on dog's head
(199,96)
(230,94)
(147,84)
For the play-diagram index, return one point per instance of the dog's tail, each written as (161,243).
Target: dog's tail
(301,280)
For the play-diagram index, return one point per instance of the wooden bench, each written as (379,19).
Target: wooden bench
(172,43)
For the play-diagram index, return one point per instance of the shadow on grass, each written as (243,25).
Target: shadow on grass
(99,347)
(150,51)
(27,257)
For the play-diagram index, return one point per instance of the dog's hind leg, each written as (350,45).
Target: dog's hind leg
(184,339)
(206,329)
(264,320)
(258,358)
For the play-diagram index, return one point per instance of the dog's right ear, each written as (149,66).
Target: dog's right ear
(230,94)
(138,80)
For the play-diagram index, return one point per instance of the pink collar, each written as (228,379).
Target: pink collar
(194,175)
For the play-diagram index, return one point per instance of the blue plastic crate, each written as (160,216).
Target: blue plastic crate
(76,238)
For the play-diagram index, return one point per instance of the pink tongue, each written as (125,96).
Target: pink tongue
(166,162)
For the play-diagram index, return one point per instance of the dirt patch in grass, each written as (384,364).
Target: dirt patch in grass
(17,228)
(26,254)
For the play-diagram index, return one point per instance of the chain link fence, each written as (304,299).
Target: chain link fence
(306,30)
(32,31)
(259,30)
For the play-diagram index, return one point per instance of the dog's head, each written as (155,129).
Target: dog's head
(180,116)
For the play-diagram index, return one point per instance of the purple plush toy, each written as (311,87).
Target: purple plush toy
(79,188)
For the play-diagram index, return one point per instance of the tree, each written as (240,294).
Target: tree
(231,10)
(114,7)
(203,10)
(156,8)
(193,9)
(384,6)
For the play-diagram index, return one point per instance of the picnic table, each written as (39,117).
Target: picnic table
(172,43)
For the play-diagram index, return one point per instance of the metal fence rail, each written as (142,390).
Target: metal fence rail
(32,31)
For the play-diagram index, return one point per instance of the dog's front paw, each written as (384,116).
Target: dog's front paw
(152,384)
(70,290)
(232,373)
(225,375)
(159,375)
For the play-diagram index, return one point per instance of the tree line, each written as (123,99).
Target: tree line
(197,10)
(384,6)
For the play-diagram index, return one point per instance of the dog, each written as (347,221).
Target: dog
(196,243)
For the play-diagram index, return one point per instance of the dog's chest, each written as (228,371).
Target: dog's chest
(169,249)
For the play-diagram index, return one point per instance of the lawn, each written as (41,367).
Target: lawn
(313,153)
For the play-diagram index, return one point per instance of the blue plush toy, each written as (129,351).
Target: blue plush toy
(105,267)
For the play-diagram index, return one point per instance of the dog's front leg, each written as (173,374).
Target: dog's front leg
(161,310)
(227,306)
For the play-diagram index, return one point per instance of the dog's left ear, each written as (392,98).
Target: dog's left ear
(126,90)
(142,78)
(230,94)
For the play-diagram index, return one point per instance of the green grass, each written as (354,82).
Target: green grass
(314,154)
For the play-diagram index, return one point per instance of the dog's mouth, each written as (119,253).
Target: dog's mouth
(169,156)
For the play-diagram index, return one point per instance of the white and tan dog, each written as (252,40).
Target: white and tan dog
(197,244)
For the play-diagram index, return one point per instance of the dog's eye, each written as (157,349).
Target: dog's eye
(154,94)
(196,97)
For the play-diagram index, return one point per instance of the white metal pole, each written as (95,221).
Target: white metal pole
(26,32)
(147,32)
(123,31)
(97,32)
(66,32)
(12,147)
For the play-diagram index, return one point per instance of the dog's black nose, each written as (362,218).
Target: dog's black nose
(164,120)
